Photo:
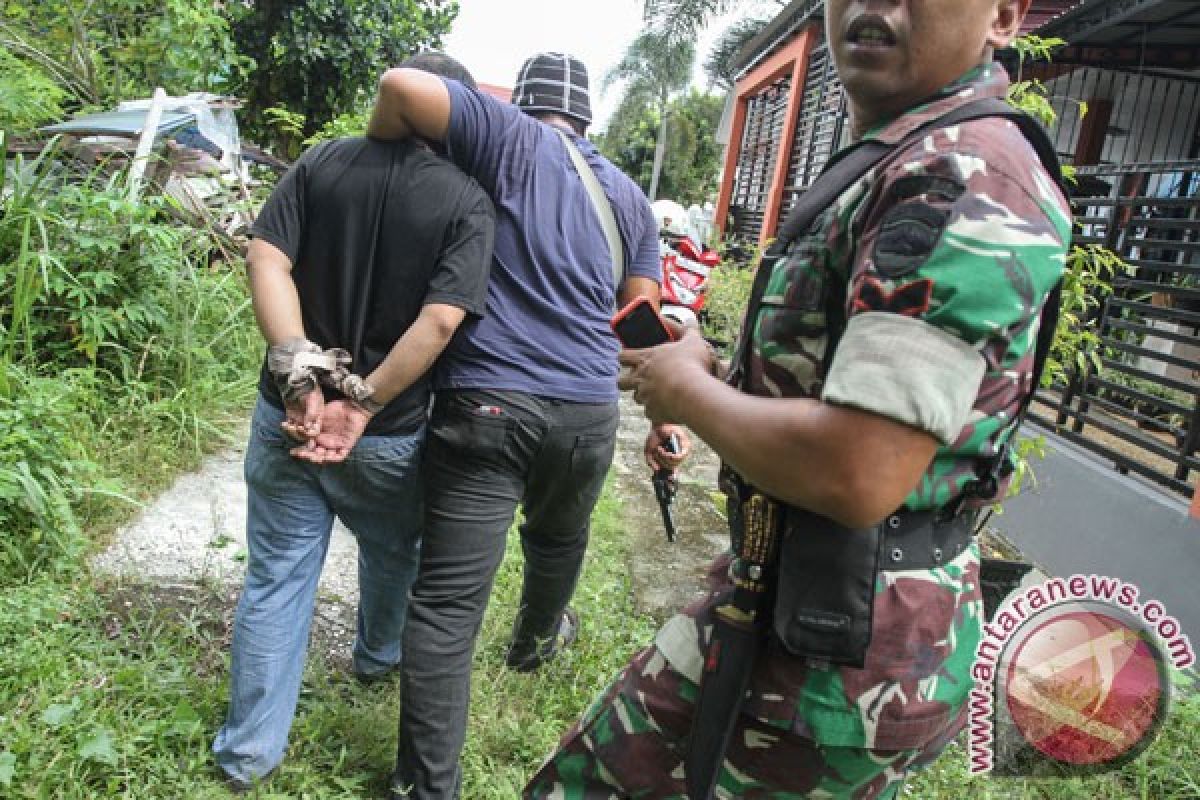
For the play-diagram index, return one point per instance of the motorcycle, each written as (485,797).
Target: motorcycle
(686,264)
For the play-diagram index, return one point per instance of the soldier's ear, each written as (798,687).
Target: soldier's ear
(1006,22)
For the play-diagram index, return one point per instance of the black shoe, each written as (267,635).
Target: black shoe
(241,786)
(237,785)
(376,678)
(530,657)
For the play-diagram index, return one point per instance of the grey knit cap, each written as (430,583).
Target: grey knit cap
(554,82)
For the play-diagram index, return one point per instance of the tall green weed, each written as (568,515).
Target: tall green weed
(28,95)
(43,470)
(121,341)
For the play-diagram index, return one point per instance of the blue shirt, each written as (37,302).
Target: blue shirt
(550,297)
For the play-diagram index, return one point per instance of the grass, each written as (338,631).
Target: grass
(1166,771)
(116,691)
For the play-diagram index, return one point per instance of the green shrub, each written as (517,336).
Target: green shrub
(725,302)
(42,468)
(28,97)
(121,343)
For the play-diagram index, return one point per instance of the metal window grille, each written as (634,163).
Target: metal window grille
(757,156)
(1138,407)
(818,127)
(1152,119)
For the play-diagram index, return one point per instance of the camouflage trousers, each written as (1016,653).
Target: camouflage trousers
(631,744)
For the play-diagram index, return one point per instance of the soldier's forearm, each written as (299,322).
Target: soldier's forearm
(846,464)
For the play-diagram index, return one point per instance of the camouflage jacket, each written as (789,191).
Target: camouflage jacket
(942,257)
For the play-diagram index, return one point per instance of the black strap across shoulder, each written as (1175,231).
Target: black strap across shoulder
(842,172)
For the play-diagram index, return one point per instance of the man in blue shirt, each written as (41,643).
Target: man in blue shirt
(526,396)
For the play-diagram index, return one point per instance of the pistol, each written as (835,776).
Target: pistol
(665,488)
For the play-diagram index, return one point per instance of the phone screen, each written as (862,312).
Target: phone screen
(639,325)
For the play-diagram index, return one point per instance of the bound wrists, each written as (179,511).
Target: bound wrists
(361,393)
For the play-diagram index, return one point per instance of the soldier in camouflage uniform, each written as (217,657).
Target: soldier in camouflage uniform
(941,258)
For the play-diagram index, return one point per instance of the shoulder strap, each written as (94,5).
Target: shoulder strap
(608,220)
(850,167)
(834,180)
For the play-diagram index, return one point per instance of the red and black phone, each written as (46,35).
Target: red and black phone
(639,325)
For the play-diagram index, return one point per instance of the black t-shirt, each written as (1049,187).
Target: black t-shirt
(376,230)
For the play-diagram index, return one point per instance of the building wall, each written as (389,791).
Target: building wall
(1151,118)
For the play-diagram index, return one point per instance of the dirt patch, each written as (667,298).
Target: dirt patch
(203,614)
(666,575)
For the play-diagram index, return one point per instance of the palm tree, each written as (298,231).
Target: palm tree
(655,67)
(718,65)
(684,18)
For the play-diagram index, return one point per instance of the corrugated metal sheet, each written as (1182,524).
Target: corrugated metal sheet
(120,123)
(1042,11)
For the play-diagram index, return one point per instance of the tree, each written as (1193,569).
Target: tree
(693,156)
(719,64)
(684,19)
(678,19)
(321,58)
(655,67)
(104,51)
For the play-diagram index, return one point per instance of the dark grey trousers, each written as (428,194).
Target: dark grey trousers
(487,452)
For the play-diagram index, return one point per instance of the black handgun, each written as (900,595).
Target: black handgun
(665,488)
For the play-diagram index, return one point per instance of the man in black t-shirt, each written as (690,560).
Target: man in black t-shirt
(380,249)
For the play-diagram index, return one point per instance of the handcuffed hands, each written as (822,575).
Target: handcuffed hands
(289,365)
(327,432)
(342,425)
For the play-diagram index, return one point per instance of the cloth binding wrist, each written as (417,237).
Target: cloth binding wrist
(360,392)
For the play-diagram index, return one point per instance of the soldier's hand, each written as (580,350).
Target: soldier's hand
(655,374)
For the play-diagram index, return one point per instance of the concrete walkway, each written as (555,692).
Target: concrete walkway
(1084,517)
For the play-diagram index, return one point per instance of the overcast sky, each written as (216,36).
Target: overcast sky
(493,38)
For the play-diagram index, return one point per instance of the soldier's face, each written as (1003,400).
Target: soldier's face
(893,53)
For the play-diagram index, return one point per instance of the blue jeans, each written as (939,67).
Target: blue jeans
(376,492)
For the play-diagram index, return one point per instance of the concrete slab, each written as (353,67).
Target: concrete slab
(1084,517)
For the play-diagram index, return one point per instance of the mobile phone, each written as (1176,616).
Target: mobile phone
(639,325)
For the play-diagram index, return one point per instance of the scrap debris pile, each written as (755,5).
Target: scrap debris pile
(186,148)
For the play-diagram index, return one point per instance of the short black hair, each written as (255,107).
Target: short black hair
(440,64)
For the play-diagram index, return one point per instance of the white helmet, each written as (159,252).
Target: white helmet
(670,217)
(681,314)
